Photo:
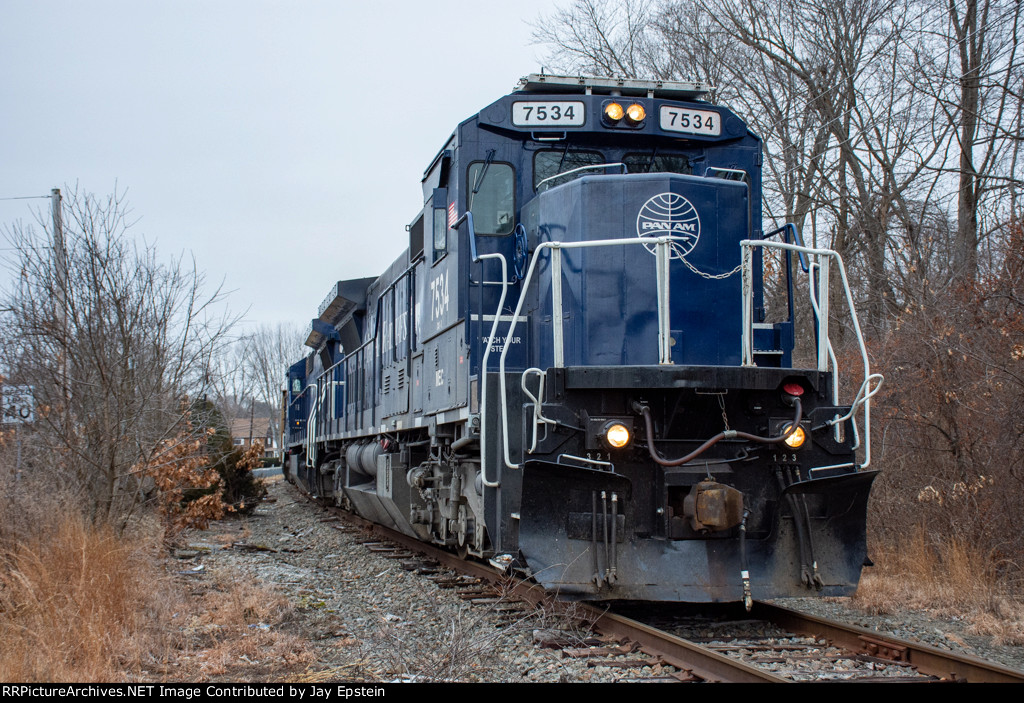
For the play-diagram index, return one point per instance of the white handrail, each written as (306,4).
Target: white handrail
(813,287)
(865,393)
(826,354)
(556,273)
(483,367)
(538,403)
(662,256)
(314,406)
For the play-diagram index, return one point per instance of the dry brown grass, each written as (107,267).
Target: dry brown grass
(79,603)
(82,603)
(949,579)
(236,630)
(467,647)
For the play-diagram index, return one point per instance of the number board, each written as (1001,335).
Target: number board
(681,119)
(547,113)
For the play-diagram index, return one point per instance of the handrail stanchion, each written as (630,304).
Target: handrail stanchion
(747,350)
(556,306)
(664,348)
(823,338)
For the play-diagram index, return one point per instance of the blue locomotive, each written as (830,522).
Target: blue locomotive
(577,369)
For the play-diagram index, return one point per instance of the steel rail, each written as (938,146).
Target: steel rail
(927,659)
(680,653)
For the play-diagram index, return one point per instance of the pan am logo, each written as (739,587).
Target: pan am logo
(671,214)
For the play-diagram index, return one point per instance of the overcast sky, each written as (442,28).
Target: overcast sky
(281,143)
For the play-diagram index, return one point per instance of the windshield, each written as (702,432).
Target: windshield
(552,162)
(657,163)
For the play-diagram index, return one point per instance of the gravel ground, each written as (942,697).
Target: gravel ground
(361,616)
(364,617)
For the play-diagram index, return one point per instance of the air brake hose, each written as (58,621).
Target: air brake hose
(727,434)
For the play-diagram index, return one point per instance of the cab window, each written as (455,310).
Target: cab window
(552,162)
(657,163)
(492,197)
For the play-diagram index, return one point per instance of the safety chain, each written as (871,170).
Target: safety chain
(710,276)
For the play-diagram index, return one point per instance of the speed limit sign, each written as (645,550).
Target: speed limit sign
(18,405)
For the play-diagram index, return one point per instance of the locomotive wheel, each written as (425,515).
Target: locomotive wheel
(465,529)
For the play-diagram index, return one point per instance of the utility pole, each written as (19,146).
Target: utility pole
(60,262)
(60,252)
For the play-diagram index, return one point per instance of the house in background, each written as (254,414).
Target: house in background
(244,431)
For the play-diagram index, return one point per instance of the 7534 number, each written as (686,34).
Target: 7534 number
(678,119)
(439,296)
(548,113)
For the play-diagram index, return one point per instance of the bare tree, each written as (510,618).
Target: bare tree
(267,353)
(843,58)
(116,344)
(974,71)
(602,38)
(229,382)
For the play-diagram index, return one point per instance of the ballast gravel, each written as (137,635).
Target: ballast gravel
(365,618)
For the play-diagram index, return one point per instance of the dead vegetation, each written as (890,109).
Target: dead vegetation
(470,643)
(86,602)
(943,516)
(948,580)
(81,603)
(237,631)
(116,345)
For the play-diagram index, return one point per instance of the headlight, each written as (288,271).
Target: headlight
(797,439)
(636,113)
(616,435)
(614,112)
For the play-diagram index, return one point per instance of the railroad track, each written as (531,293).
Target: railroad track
(684,643)
(786,645)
